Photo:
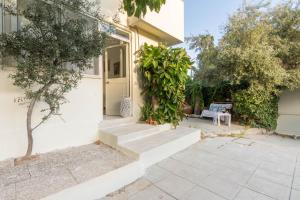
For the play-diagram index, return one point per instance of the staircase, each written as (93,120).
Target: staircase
(147,143)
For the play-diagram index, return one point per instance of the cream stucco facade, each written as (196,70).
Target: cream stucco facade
(78,124)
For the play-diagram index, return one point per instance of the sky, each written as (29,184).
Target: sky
(209,16)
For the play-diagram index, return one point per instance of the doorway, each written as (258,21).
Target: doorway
(116,76)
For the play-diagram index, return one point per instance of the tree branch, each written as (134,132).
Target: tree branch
(43,121)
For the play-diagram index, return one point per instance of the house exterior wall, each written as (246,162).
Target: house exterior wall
(140,38)
(167,25)
(170,19)
(78,124)
(289,113)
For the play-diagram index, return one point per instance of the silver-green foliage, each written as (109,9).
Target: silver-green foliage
(52,50)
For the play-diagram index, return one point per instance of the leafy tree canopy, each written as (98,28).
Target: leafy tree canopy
(260,52)
(139,8)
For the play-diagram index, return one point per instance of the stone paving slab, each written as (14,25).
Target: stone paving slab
(274,177)
(53,172)
(208,129)
(295,195)
(246,194)
(268,188)
(257,167)
(152,193)
(169,182)
(130,190)
(197,192)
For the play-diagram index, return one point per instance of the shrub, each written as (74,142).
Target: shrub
(259,54)
(164,75)
(194,96)
(256,107)
(147,112)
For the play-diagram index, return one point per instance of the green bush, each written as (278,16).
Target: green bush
(147,112)
(164,75)
(258,54)
(193,93)
(220,92)
(256,108)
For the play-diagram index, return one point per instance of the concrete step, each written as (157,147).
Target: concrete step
(120,134)
(147,143)
(155,148)
(116,122)
(100,186)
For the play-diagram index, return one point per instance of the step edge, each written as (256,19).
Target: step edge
(193,139)
(139,135)
(97,187)
(192,131)
(184,136)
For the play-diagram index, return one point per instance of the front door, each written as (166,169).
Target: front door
(116,78)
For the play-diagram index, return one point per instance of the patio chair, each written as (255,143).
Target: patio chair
(214,109)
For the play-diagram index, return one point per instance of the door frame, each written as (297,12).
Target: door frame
(128,70)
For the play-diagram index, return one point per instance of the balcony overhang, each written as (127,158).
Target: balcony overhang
(162,35)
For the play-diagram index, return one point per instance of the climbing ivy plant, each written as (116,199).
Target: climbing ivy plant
(164,75)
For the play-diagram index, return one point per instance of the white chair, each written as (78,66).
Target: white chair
(214,109)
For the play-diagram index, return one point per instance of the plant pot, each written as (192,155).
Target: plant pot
(125,107)
(187,109)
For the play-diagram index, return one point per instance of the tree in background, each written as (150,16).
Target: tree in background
(52,50)
(259,54)
(205,66)
(285,20)
(139,8)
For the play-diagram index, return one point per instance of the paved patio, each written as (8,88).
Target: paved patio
(257,167)
(208,129)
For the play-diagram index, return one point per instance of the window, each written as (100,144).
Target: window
(1,27)
(10,23)
(95,67)
(116,62)
(21,6)
(1,14)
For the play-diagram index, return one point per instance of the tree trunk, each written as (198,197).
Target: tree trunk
(154,103)
(29,128)
(197,108)
(29,122)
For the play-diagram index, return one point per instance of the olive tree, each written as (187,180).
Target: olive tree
(52,50)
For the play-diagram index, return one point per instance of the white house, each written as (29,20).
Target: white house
(100,92)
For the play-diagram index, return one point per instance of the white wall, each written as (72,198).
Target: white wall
(110,10)
(78,127)
(170,19)
(289,113)
(168,23)
(139,39)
